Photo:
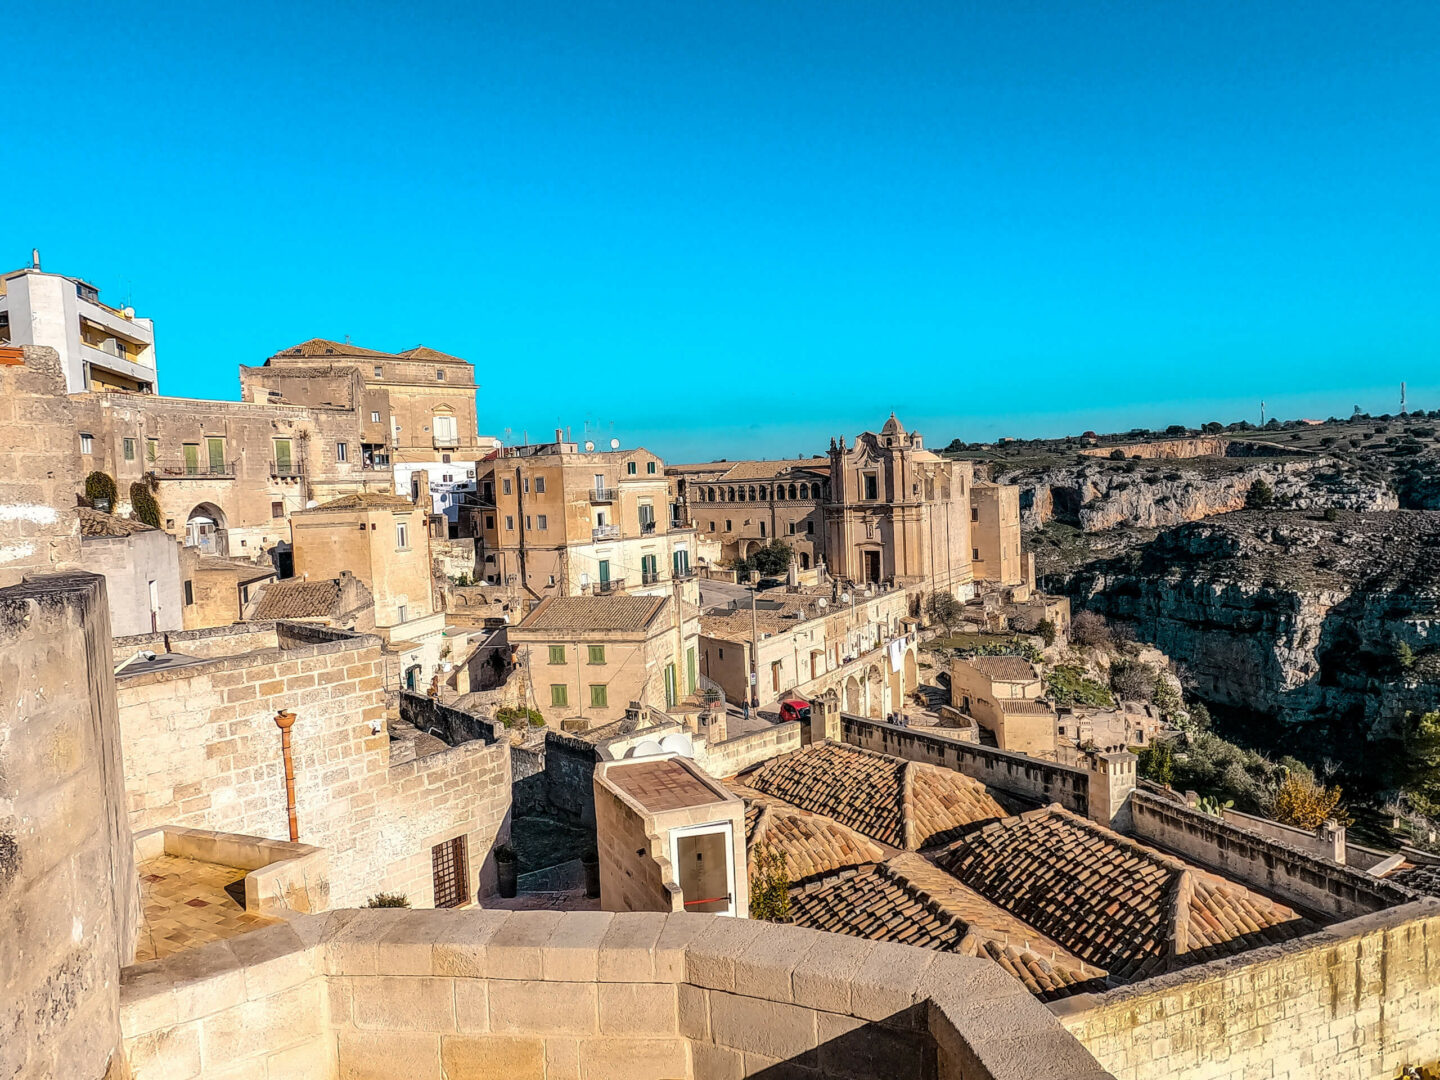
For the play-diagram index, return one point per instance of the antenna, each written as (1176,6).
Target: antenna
(1402,399)
(34,258)
(1262,412)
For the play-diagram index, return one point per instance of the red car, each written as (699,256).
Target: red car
(794,709)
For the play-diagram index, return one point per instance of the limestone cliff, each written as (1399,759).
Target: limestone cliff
(1286,614)
(1103,494)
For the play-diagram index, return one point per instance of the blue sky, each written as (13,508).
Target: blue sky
(727,230)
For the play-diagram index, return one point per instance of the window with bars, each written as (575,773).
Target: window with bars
(450,865)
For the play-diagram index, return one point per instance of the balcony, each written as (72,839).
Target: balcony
(649,577)
(614,585)
(195,470)
(605,532)
(684,573)
(446,442)
(647,528)
(602,495)
(286,470)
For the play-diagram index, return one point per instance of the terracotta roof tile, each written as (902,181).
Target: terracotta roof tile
(1109,900)
(95,524)
(1424,879)
(324,347)
(906,804)
(296,599)
(1004,668)
(616,613)
(363,500)
(812,844)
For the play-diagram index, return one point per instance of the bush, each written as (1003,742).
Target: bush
(388,899)
(1211,765)
(1067,684)
(1089,628)
(1301,802)
(1331,514)
(1157,763)
(1047,631)
(1260,496)
(519,717)
(143,506)
(769,885)
(1117,455)
(1404,655)
(100,491)
(1133,680)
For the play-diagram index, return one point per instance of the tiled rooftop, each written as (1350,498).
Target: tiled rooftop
(906,804)
(662,785)
(615,613)
(911,902)
(297,599)
(811,843)
(1004,668)
(1025,706)
(94,524)
(1424,879)
(363,500)
(186,904)
(1109,900)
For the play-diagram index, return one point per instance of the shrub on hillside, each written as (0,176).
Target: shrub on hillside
(1089,628)
(1133,680)
(101,491)
(1067,684)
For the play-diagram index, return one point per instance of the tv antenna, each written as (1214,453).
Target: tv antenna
(1402,399)
(1262,412)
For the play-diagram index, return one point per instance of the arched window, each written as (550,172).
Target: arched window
(792,491)
(804,491)
(762,492)
(730,495)
(752,492)
(779,492)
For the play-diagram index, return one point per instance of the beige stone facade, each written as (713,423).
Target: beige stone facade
(554,520)
(1003,694)
(747,504)
(202,751)
(995,533)
(589,657)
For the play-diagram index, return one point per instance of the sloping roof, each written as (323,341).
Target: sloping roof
(811,843)
(1004,668)
(906,804)
(297,599)
(1021,706)
(766,470)
(94,525)
(615,613)
(1424,879)
(909,901)
(662,785)
(324,347)
(363,500)
(1109,900)
(424,352)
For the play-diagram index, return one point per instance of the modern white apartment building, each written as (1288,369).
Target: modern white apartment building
(100,347)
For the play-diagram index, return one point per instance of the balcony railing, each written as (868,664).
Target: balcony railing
(189,470)
(606,532)
(647,528)
(285,469)
(602,495)
(649,577)
(614,585)
(684,573)
(446,442)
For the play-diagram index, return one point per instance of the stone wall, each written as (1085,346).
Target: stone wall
(202,750)
(1355,1001)
(1039,781)
(376,995)
(69,899)
(128,564)
(39,465)
(1272,866)
(734,755)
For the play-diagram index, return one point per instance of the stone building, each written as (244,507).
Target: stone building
(744,505)
(1004,695)
(590,657)
(141,567)
(995,533)
(100,347)
(553,520)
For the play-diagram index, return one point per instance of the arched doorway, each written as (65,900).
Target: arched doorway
(852,696)
(912,671)
(205,530)
(874,686)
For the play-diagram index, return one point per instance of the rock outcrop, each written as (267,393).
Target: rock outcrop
(1289,615)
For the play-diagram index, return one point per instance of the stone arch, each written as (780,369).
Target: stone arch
(206,529)
(792,491)
(912,671)
(874,692)
(752,492)
(730,495)
(853,704)
(804,560)
(779,492)
(762,492)
(804,491)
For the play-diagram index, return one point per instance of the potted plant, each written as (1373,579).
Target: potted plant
(591,861)
(506,867)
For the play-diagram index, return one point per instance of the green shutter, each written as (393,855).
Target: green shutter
(558,696)
(670,696)
(597,654)
(598,697)
(192,457)
(557,654)
(217,454)
(690,668)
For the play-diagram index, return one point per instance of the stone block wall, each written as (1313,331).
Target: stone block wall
(69,901)
(202,751)
(1355,1001)
(1272,866)
(731,756)
(410,995)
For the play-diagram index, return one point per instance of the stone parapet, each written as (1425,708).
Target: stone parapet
(428,995)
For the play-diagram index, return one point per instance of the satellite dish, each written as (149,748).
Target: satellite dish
(646,748)
(589,446)
(844,597)
(614,444)
(822,603)
(675,743)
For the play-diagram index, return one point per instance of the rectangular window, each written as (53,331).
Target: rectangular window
(539,485)
(559,696)
(379,371)
(439,374)
(690,669)
(282,456)
(650,467)
(525,485)
(597,654)
(527,522)
(557,654)
(598,698)
(374,416)
(402,535)
(727,525)
(505,486)
(975,555)
(974,514)
(630,468)
(152,450)
(129,449)
(712,526)
(87,444)
(792,528)
(216,450)
(450,867)
(672,696)
(445,430)
(540,521)
(762,530)
(340,451)
(510,522)
(192,457)
(277,509)
(489,521)
(872,486)
(189,593)
(402,611)
(810,527)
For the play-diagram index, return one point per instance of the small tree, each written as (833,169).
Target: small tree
(1047,631)
(1301,802)
(1133,680)
(1260,496)
(1404,655)
(101,491)
(1157,763)
(1089,628)
(143,504)
(388,899)
(771,560)
(944,609)
(769,885)
(1422,764)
